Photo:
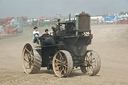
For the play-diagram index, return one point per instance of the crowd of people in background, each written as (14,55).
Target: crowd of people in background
(10,26)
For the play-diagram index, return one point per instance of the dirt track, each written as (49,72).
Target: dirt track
(110,41)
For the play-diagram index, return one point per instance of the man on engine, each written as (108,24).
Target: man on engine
(36,35)
(46,34)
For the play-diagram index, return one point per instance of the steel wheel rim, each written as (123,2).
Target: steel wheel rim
(60,64)
(62,67)
(93,63)
(28,59)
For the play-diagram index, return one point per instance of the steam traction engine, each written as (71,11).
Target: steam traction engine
(64,50)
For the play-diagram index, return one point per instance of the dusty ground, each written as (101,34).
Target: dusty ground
(110,41)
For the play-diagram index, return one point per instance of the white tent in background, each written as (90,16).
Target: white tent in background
(125,16)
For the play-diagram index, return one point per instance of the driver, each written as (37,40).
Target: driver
(46,34)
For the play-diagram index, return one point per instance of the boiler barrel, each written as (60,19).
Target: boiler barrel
(49,41)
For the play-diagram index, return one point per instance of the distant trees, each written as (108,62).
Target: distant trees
(126,12)
(123,13)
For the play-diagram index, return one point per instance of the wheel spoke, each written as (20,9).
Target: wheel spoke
(93,60)
(26,60)
(65,66)
(25,54)
(92,64)
(86,57)
(56,64)
(90,57)
(61,57)
(27,66)
(57,60)
(27,50)
(30,52)
(62,70)
(57,67)
(87,68)
(32,59)
(65,71)
(64,62)
(32,64)
(91,67)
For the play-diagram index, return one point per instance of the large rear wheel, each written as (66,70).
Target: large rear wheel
(93,63)
(62,63)
(31,60)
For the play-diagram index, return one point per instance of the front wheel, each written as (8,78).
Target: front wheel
(93,62)
(62,63)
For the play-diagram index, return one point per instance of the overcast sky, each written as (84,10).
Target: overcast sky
(49,8)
